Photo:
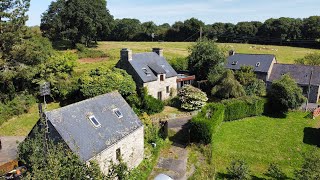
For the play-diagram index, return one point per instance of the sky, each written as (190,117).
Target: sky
(209,11)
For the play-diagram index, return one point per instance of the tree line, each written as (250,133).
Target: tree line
(83,22)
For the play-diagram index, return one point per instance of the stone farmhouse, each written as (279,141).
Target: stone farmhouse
(262,63)
(102,128)
(266,68)
(151,70)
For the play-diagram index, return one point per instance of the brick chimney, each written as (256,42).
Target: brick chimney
(126,54)
(159,51)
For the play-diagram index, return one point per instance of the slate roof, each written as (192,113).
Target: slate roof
(265,61)
(153,65)
(81,136)
(300,73)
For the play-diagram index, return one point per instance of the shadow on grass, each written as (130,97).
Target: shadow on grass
(311,136)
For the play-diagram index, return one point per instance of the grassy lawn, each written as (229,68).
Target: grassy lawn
(21,125)
(263,140)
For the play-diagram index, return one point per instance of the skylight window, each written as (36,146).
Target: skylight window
(258,64)
(118,113)
(94,121)
(146,71)
(234,62)
(163,66)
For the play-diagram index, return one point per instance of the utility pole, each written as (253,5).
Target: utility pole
(309,89)
(200,33)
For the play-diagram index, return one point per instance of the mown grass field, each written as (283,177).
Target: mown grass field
(263,140)
(284,54)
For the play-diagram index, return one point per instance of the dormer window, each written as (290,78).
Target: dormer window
(146,71)
(94,121)
(118,113)
(258,64)
(234,63)
(161,77)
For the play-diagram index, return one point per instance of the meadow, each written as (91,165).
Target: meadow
(260,141)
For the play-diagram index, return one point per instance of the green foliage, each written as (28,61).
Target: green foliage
(206,58)
(228,87)
(285,94)
(102,80)
(275,172)
(150,104)
(125,29)
(238,170)
(84,52)
(243,107)
(192,98)
(312,59)
(249,81)
(206,123)
(150,129)
(118,170)
(19,105)
(49,160)
(179,63)
(311,166)
(79,21)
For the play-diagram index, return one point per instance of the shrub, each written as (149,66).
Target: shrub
(238,169)
(206,123)
(150,129)
(275,172)
(243,107)
(152,105)
(179,64)
(192,98)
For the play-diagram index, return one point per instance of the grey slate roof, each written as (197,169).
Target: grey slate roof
(153,63)
(300,73)
(251,60)
(81,136)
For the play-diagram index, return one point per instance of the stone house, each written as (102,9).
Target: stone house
(262,63)
(102,128)
(303,75)
(151,70)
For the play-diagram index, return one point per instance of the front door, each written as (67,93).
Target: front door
(160,95)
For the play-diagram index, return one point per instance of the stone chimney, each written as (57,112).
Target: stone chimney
(232,52)
(159,51)
(126,54)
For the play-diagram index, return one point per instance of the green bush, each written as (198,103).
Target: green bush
(238,169)
(192,98)
(206,123)
(179,64)
(152,105)
(275,172)
(243,107)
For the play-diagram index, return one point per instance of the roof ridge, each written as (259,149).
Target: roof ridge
(84,101)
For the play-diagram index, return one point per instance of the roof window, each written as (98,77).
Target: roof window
(163,66)
(94,121)
(234,62)
(258,64)
(146,71)
(118,113)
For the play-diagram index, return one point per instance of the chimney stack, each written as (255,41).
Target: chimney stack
(126,54)
(232,52)
(159,51)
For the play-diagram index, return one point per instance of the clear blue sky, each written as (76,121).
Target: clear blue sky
(209,11)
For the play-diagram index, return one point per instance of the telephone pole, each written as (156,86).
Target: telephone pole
(200,33)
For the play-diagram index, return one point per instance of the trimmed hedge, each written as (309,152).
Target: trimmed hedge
(206,123)
(243,107)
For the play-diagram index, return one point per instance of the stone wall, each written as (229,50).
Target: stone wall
(131,148)
(161,86)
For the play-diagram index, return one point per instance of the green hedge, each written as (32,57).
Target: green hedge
(206,123)
(243,107)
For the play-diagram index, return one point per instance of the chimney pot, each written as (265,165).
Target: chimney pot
(126,54)
(159,51)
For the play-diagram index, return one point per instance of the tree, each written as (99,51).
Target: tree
(125,29)
(249,81)
(238,170)
(46,159)
(311,27)
(102,80)
(228,87)
(79,21)
(190,29)
(284,94)
(206,58)
(192,98)
(312,59)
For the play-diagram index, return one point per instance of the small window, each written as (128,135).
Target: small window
(118,113)
(94,121)
(168,89)
(234,62)
(161,77)
(258,64)
(118,154)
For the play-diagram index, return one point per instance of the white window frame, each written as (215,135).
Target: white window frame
(96,126)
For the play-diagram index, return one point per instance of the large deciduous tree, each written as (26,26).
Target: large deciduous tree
(206,58)
(79,21)
(284,94)
(125,29)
